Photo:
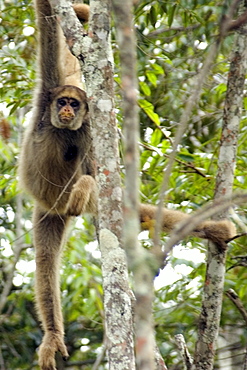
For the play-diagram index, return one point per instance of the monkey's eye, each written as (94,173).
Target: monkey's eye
(61,102)
(74,104)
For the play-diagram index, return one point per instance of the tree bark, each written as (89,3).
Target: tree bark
(213,289)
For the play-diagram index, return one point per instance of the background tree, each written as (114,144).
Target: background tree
(172,43)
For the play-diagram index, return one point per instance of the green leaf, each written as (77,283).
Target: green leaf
(156,137)
(145,88)
(221,88)
(153,16)
(186,157)
(163,6)
(171,14)
(149,110)
(158,69)
(152,78)
(245,103)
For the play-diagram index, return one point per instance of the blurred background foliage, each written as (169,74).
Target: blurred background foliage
(173,38)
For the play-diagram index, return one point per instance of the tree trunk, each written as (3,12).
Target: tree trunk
(214,284)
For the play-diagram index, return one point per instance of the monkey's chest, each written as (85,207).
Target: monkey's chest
(70,153)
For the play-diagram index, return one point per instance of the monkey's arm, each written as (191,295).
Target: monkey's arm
(48,238)
(49,61)
(212,230)
(72,69)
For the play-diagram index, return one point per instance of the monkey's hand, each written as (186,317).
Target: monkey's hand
(52,343)
(83,197)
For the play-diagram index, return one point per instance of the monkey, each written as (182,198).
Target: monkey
(57,168)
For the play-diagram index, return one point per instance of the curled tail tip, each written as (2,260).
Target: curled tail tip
(219,231)
(82,11)
(228,229)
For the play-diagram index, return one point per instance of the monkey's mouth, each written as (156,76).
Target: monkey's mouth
(66,118)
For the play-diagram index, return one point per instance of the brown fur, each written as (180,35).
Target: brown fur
(57,168)
(82,12)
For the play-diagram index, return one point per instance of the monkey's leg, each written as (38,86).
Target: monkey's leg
(83,197)
(48,238)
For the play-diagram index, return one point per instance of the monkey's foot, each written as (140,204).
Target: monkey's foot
(79,200)
(52,343)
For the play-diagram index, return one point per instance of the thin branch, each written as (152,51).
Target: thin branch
(159,361)
(177,30)
(185,164)
(239,22)
(245,360)
(232,295)
(2,364)
(182,347)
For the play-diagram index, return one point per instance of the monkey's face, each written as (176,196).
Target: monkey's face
(68,107)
